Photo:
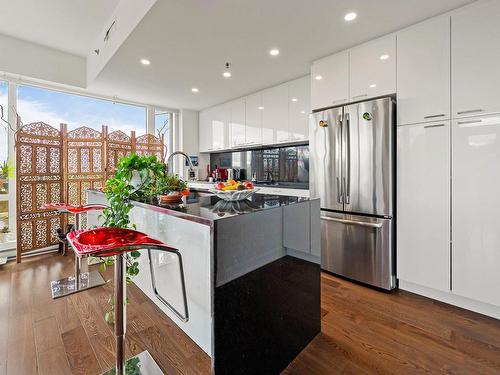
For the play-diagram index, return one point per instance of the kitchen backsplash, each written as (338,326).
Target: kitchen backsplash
(280,165)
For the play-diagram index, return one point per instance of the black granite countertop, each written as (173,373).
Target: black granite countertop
(206,207)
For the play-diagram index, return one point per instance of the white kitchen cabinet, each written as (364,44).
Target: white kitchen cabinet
(423,223)
(475,56)
(299,94)
(275,114)
(423,72)
(237,123)
(205,131)
(219,130)
(476,199)
(253,119)
(373,69)
(330,81)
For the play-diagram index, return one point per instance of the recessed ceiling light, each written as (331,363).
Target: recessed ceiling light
(350,16)
(318,78)
(261,107)
(373,85)
(384,57)
(226,74)
(274,52)
(145,62)
(294,99)
(195,89)
(227,71)
(303,112)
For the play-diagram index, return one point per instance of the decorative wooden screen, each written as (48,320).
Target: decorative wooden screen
(39,181)
(118,145)
(148,144)
(85,169)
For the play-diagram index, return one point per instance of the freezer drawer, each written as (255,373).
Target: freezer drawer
(359,248)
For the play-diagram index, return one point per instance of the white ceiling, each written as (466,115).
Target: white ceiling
(67,25)
(189,41)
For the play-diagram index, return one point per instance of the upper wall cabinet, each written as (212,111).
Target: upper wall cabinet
(475,56)
(299,95)
(330,81)
(373,69)
(237,123)
(220,117)
(275,114)
(253,119)
(423,73)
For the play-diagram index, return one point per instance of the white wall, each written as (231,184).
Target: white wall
(187,141)
(39,62)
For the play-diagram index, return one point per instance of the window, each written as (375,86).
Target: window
(53,107)
(6,236)
(162,123)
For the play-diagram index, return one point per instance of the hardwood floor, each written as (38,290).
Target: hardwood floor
(363,331)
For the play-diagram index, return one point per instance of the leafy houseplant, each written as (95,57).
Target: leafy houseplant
(171,188)
(6,171)
(135,177)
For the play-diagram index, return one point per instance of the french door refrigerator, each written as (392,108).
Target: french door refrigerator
(352,172)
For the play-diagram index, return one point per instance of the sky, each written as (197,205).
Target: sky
(52,107)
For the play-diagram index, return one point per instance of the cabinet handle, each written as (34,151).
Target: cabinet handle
(469,122)
(434,116)
(359,96)
(433,126)
(469,111)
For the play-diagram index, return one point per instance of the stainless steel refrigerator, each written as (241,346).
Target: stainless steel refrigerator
(352,172)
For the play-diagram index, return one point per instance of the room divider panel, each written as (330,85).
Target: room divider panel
(39,180)
(55,166)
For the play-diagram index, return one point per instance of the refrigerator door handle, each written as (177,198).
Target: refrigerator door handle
(338,143)
(347,145)
(353,222)
(339,190)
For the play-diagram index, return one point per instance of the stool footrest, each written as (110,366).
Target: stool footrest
(143,364)
(66,286)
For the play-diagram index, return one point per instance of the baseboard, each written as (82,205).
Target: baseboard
(452,299)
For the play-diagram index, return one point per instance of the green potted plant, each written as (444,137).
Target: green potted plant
(6,171)
(171,188)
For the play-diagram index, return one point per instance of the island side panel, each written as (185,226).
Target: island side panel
(267,309)
(194,242)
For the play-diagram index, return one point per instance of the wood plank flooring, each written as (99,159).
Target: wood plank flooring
(363,331)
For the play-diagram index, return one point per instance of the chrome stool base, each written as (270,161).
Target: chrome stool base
(141,364)
(66,286)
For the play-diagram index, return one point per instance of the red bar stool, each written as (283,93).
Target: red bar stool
(117,242)
(82,278)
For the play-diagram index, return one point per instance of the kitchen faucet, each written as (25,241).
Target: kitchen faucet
(191,166)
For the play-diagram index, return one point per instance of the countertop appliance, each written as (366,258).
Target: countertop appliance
(352,170)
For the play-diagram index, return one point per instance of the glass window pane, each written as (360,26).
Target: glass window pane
(55,107)
(4,153)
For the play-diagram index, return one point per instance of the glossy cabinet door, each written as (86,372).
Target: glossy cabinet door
(299,94)
(373,69)
(423,222)
(275,114)
(476,202)
(219,130)
(205,131)
(237,123)
(475,56)
(253,119)
(330,81)
(423,72)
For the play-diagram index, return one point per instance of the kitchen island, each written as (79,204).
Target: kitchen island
(251,271)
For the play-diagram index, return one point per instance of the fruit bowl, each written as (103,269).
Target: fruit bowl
(234,195)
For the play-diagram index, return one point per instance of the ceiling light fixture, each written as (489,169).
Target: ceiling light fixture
(274,52)
(195,89)
(303,112)
(227,72)
(384,57)
(372,86)
(318,78)
(261,107)
(295,99)
(145,62)
(350,16)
